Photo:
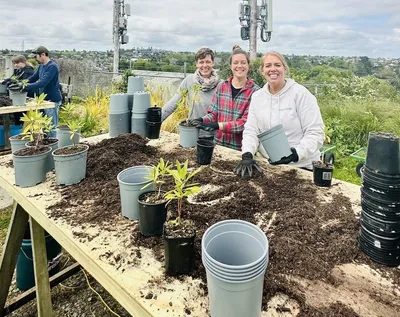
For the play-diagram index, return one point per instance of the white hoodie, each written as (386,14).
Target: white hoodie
(297,110)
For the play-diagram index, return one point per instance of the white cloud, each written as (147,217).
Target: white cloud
(341,27)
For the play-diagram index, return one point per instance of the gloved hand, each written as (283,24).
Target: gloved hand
(196,122)
(246,165)
(287,159)
(210,126)
(15,87)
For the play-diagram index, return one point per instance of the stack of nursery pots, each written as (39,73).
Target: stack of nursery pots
(131,182)
(235,256)
(70,163)
(135,84)
(31,165)
(119,117)
(379,235)
(188,134)
(141,102)
(64,136)
(153,122)
(275,143)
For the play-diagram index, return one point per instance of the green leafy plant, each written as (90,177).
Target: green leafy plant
(157,175)
(182,188)
(74,128)
(186,100)
(36,125)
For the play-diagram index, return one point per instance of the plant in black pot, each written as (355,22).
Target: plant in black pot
(179,234)
(153,204)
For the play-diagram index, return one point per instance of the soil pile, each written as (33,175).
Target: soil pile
(5,101)
(307,237)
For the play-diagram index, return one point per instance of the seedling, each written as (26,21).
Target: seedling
(182,186)
(157,175)
(186,100)
(74,128)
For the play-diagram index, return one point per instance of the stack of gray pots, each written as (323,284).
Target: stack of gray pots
(119,115)
(141,102)
(235,256)
(134,84)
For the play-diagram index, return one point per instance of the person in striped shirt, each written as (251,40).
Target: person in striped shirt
(229,107)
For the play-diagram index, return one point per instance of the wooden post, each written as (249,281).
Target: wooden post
(12,245)
(44,306)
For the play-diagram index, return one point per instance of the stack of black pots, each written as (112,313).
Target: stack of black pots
(379,236)
(153,122)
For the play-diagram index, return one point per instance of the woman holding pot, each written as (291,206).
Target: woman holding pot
(200,86)
(282,101)
(228,111)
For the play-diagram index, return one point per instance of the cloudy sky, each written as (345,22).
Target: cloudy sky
(302,27)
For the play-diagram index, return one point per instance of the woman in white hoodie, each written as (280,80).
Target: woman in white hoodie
(282,101)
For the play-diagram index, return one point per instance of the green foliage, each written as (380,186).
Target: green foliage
(96,107)
(157,175)
(68,113)
(182,188)
(74,128)
(121,85)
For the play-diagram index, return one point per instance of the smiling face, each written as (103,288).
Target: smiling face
(239,66)
(274,70)
(205,66)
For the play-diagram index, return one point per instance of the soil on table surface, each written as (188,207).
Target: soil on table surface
(5,101)
(308,236)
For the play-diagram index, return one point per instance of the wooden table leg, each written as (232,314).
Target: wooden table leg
(44,306)
(16,231)
(7,130)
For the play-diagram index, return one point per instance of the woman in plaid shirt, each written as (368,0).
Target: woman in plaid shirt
(229,107)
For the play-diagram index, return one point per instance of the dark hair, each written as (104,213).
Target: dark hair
(18,59)
(236,49)
(203,52)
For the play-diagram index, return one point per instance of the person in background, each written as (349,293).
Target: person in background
(45,80)
(22,70)
(206,79)
(228,111)
(282,101)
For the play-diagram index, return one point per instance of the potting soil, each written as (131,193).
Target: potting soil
(308,236)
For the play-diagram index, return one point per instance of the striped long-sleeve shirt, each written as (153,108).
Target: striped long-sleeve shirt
(232,113)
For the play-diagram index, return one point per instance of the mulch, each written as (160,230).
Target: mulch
(299,245)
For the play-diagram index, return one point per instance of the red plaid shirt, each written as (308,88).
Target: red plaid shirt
(232,113)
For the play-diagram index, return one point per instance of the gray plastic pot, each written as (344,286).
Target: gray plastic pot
(188,136)
(18,98)
(50,161)
(275,143)
(3,89)
(119,103)
(135,83)
(30,170)
(131,181)
(71,168)
(141,102)
(138,124)
(119,123)
(235,256)
(17,144)
(64,136)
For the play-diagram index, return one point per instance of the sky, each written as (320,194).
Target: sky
(306,27)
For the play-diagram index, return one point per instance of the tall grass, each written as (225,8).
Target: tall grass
(95,120)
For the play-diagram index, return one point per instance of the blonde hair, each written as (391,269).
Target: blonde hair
(278,55)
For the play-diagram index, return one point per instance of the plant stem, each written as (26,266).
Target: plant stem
(179,208)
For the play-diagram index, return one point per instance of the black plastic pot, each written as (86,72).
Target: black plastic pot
(151,216)
(383,228)
(383,153)
(154,114)
(323,175)
(153,129)
(179,254)
(205,149)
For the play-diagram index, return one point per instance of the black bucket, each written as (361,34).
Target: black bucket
(205,149)
(153,129)
(154,114)
(383,153)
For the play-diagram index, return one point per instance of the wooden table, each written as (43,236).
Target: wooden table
(5,111)
(129,284)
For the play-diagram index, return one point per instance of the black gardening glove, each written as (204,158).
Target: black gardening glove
(15,87)
(246,165)
(210,126)
(196,122)
(287,159)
